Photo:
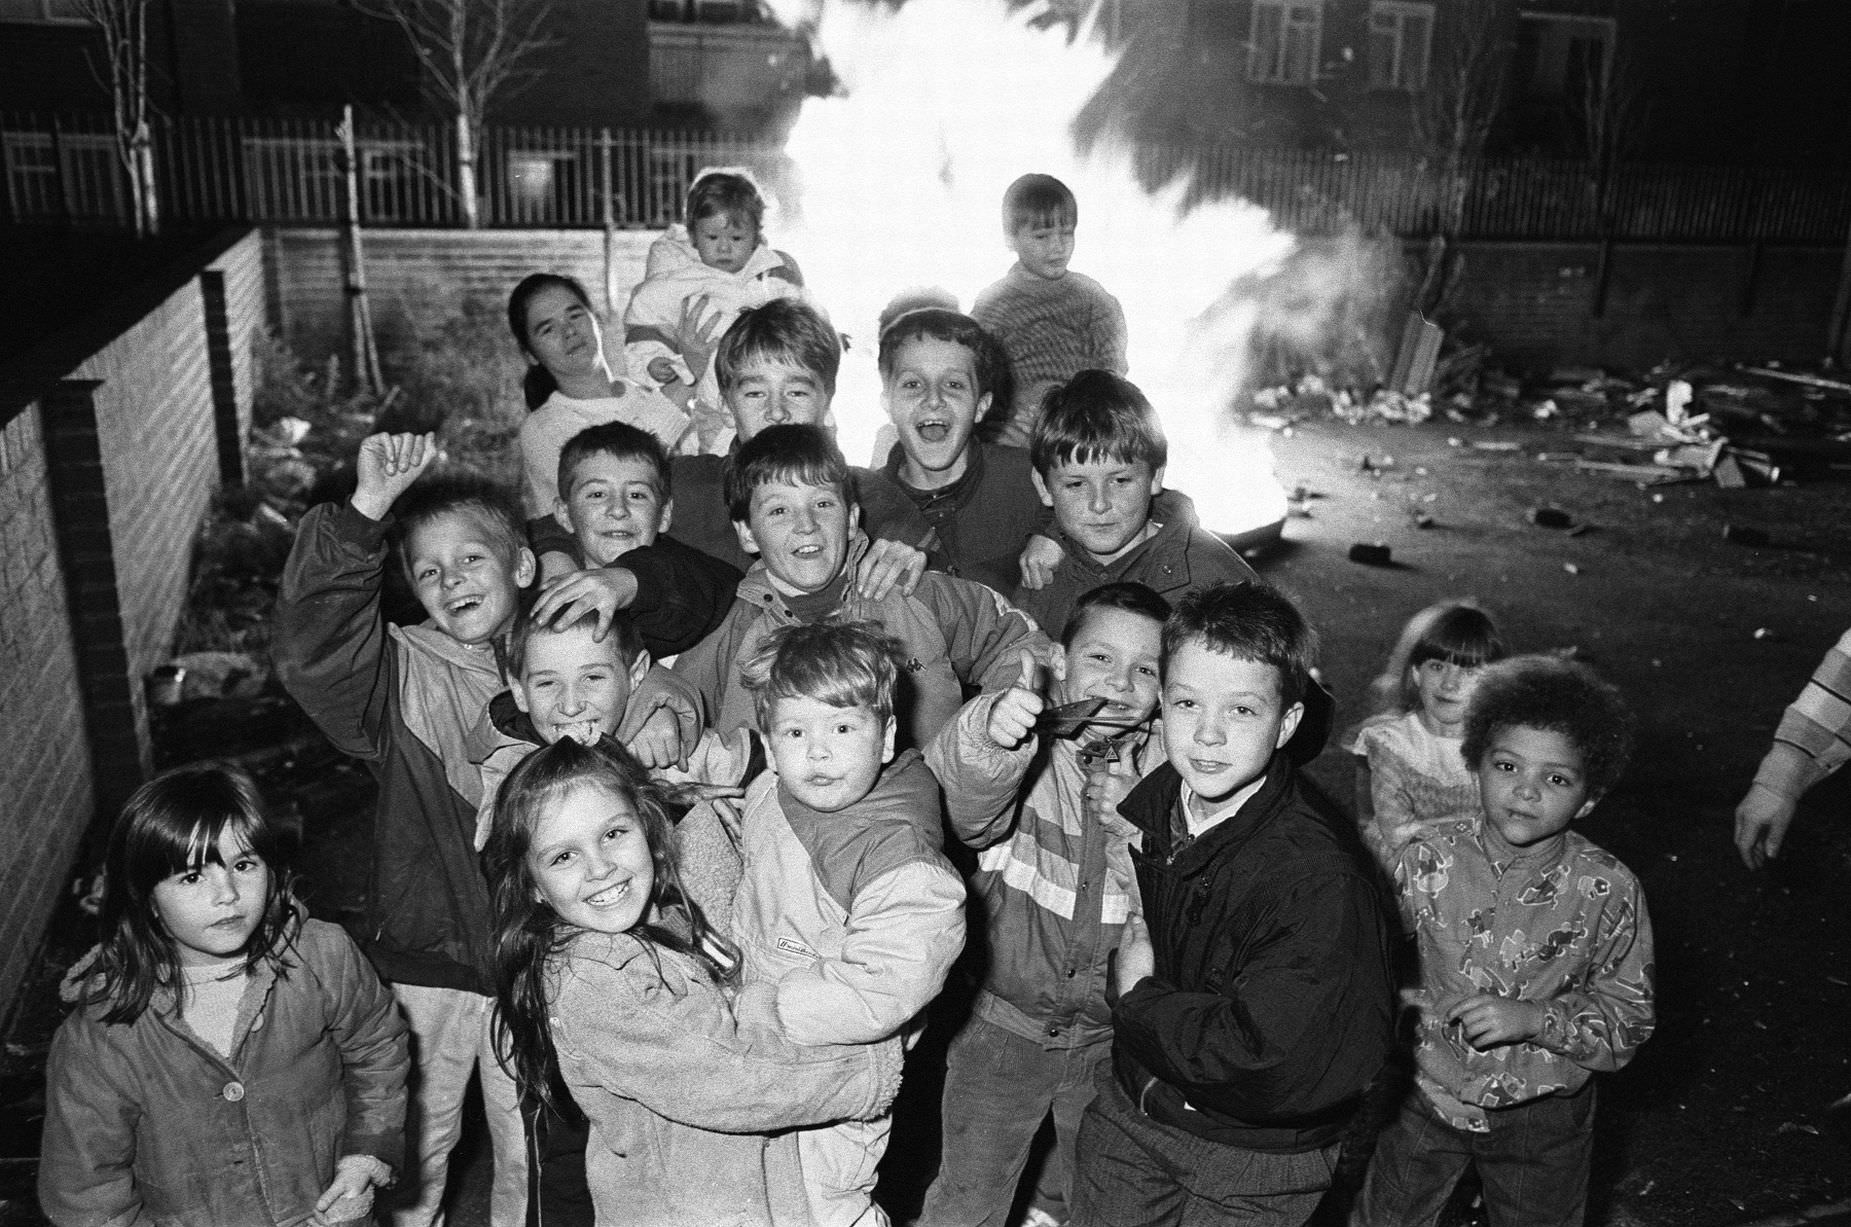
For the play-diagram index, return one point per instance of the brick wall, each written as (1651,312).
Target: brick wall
(119,412)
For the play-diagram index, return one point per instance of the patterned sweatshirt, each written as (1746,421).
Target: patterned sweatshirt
(1563,923)
(1417,782)
(1052,330)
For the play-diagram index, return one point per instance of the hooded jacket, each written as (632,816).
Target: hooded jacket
(145,1123)
(1270,1009)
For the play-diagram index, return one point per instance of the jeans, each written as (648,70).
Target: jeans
(1132,1171)
(451,1037)
(998,1089)
(1533,1164)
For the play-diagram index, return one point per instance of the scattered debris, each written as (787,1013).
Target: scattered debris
(1551,517)
(1371,554)
(1766,633)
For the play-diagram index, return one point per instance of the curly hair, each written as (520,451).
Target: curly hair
(1560,696)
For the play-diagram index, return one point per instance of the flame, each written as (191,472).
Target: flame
(898,183)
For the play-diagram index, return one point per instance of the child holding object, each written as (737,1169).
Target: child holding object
(230,1060)
(569,385)
(609,975)
(1535,961)
(1410,777)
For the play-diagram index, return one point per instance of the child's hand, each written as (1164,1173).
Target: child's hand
(601,590)
(350,1196)
(1013,715)
(662,370)
(886,564)
(698,334)
(1761,822)
(1040,559)
(657,743)
(1137,958)
(1488,1021)
(1106,786)
(386,466)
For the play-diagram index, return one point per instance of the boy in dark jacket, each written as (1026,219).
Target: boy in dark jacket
(402,700)
(1256,1008)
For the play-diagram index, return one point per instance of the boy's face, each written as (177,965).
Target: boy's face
(1532,783)
(465,577)
(1222,719)
(1044,247)
(1103,504)
(575,685)
(1114,656)
(615,506)
(801,532)
(724,241)
(932,398)
(768,392)
(829,757)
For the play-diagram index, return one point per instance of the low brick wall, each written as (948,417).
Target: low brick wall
(113,438)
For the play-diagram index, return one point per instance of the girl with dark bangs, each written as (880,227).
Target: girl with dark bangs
(610,977)
(229,1059)
(1410,776)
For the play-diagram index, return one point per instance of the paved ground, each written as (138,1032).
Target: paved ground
(1726,1117)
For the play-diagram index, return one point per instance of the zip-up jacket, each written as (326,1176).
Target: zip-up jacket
(1271,1005)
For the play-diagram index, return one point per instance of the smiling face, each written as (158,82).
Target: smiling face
(1113,657)
(563,334)
(574,685)
(931,395)
(801,532)
(211,909)
(1044,247)
(1444,688)
(615,506)
(1532,783)
(590,860)
(464,575)
(1222,719)
(768,392)
(725,240)
(1103,504)
(829,757)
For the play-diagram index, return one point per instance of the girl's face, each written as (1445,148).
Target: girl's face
(590,860)
(562,333)
(1444,688)
(211,909)
(725,240)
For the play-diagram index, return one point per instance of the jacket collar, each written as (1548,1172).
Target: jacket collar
(1151,804)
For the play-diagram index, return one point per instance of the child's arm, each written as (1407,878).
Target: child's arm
(87,1155)
(663,719)
(553,546)
(710,666)
(676,594)
(984,634)
(330,642)
(666,1038)
(1267,1037)
(1813,740)
(905,929)
(981,756)
(1602,1018)
(1108,334)
(364,1023)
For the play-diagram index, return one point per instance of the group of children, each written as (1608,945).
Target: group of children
(1011,704)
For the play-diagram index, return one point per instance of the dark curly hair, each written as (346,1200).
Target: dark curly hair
(1561,696)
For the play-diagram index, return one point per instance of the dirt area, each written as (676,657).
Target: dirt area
(1727,1115)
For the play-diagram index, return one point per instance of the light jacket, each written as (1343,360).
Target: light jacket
(688,1093)
(401,700)
(954,632)
(145,1123)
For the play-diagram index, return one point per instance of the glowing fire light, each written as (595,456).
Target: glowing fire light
(900,180)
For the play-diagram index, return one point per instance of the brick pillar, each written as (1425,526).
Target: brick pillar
(224,384)
(80,519)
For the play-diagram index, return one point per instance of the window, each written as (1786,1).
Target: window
(1400,43)
(1282,42)
(1565,56)
(41,10)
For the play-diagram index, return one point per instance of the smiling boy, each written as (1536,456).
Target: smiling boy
(1535,961)
(1256,1008)
(1098,453)
(937,378)
(792,504)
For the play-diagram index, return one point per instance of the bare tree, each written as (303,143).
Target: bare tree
(124,27)
(474,53)
(1453,119)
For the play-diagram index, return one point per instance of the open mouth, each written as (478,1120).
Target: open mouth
(463,604)
(933,431)
(610,896)
(585,732)
(806,551)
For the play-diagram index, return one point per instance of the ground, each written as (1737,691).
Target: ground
(1726,1117)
